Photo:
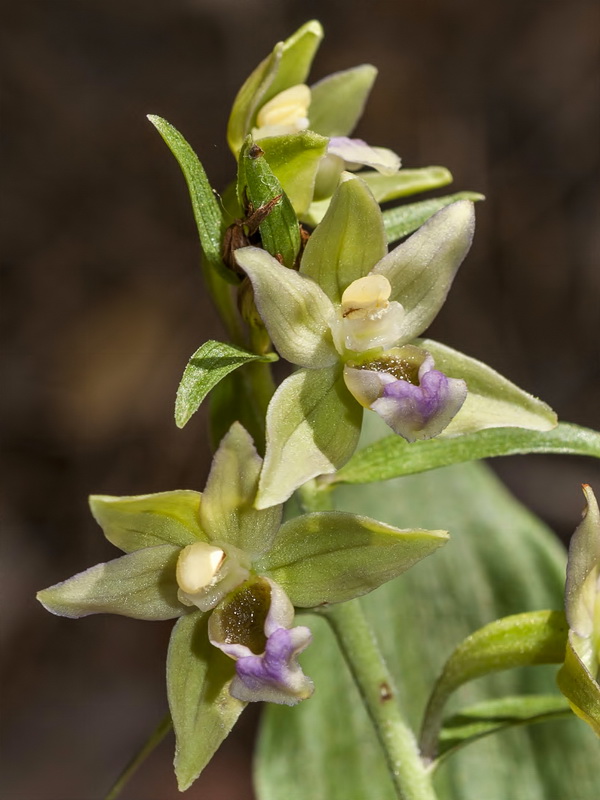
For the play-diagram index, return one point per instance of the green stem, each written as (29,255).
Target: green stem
(155,738)
(357,642)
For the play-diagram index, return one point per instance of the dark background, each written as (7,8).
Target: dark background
(103,301)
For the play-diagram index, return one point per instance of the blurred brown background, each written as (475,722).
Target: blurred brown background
(103,301)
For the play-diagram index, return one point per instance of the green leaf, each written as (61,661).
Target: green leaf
(399,222)
(294,160)
(348,242)
(421,270)
(279,230)
(338,101)
(207,212)
(203,711)
(140,585)
(227,512)
(286,66)
(493,716)
(492,400)
(535,637)
(313,425)
(330,557)
(296,311)
(210,364)
(148,520)
(406,182)
(580,688)
(393,456)
(499,561)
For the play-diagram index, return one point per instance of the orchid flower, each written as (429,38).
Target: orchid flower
(579,678)
(232,575)
(349,318)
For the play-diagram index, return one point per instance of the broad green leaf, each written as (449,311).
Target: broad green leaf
(203,711)
(279,230)
(500,561)
(227,512)
(493,716)
(286,66)
(140,585)
(580,688)
(148,520)
(207,212)
(313,425)
(393,456)
(406,182)
(330,557)
(210,364)
(492,400)
(296,311)
(534,637)
(421,270)
(349,241)
(338,101)
(403,220)
(294,160)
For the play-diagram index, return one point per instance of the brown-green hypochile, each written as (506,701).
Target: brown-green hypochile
(349,319)
(579,677)
(232,575)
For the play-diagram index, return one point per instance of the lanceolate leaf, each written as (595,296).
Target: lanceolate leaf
(203,711)
(499,561)
(207,212)
(209,364)
(492,716)
(403,220)
(406,182)
(392,456)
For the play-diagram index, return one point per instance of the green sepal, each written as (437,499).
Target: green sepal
(349,241)
(531,638)
(287,65)
(207,211)
(421,269)
(493,716)
(580,688)
(202,710)
(148,520)
(295,310)
(332,556)
(279,230)
(393,456)
(141,585)
(313,426)
(401,221)
(338,101)
(209,364)
(492,400)
(227,512)
(294,160)
(406,182)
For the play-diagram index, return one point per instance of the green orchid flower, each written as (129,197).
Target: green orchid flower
(579,678)
(231,575)
(349,318)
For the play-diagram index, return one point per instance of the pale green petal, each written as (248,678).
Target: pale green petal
(338,100)
(582,591)
(140,585)
(421,270)
(405,182)
(332,556)
(313,425)
(147,520)
(492,400)
(227,513)
(294,160)
(348,242)
(295,310)
(203,711)
(580,688)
